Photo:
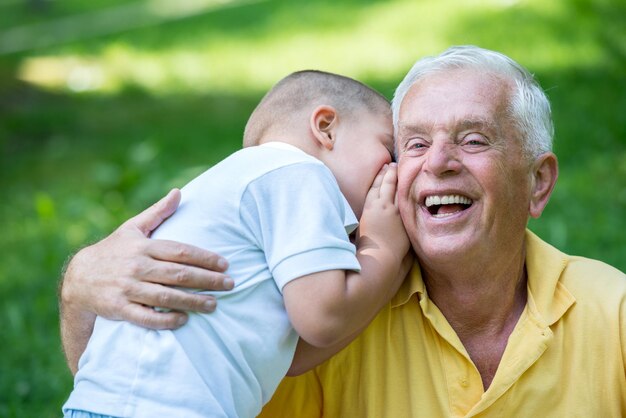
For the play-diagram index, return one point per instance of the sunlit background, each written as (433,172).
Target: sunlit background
(105,105)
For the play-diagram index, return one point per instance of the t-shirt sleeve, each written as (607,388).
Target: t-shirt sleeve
(298,217)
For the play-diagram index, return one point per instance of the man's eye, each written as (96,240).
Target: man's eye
(474,139)
(411,145)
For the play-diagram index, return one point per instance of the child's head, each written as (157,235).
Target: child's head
(343,122)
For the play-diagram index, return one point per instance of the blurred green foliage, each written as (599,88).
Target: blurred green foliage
(94,129)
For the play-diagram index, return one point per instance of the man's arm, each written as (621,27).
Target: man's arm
(126,273)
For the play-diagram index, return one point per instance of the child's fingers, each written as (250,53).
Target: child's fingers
(388,186)
(374,191)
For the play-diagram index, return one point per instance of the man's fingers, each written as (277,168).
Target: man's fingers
(181,275)
(149,219)
(146,317)
(389,182)
(151,294)
(186,254)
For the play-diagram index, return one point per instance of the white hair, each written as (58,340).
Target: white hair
(529,107)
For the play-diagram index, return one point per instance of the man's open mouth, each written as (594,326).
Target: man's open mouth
(446,205)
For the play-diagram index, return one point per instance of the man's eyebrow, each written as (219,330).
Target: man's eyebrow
(470,123)
(480,124)
(405,128)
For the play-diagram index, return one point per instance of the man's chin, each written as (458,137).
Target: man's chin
(444,248)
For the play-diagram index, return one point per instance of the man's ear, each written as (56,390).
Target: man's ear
(323,123)
(545,171)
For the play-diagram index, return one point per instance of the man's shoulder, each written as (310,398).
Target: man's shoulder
(598,288)
(580,274)
(592,281)
(588,266)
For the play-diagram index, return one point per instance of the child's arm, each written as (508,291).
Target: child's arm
(308,356)
(329,308)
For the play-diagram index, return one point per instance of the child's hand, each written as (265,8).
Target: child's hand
(380,226)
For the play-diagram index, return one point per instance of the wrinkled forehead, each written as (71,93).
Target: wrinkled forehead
(456,93)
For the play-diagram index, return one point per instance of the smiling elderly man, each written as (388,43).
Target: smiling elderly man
(492,321)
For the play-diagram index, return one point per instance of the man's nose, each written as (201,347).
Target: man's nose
(443,159)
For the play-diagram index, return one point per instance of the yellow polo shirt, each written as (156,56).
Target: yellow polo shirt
(565,358)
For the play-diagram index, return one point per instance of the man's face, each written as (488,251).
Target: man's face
(363,145)
(463,180)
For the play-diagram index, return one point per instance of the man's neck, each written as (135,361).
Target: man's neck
(482,306)
(484,299)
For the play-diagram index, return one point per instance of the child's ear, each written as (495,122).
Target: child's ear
(545,171)
(323,123)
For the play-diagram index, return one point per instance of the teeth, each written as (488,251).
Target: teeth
(447,200)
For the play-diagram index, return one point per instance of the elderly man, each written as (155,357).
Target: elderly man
(491,321)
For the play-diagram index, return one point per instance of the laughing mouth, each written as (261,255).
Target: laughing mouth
(446,205)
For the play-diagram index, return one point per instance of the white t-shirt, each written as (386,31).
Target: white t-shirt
(276,214)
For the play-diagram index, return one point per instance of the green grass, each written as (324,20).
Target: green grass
(93,130)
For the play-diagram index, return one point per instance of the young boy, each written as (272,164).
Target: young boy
(318,153)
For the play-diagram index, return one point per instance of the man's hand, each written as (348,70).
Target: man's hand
(125,274)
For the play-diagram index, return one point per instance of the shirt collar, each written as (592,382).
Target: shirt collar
(413,284)
(544,266)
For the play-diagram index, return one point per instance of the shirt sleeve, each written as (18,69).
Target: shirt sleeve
(299,218)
